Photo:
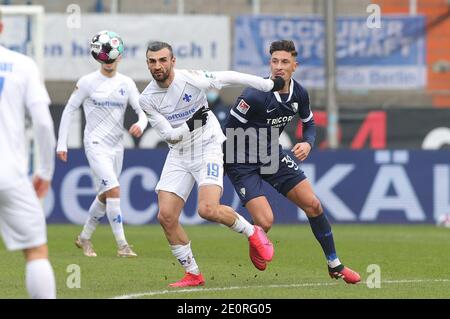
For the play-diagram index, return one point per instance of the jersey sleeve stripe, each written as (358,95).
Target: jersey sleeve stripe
(308,118)
(240,118)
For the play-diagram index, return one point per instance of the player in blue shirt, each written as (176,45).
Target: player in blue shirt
(259,118)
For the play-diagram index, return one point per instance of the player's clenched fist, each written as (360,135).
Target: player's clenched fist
(135,130)
(62,156)
(200,115)
(301,150)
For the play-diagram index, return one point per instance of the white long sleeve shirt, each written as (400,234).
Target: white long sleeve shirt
(168,109)
(21,89)
(104,102)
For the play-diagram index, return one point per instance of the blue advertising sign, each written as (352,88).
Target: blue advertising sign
(386,186)
(389,57)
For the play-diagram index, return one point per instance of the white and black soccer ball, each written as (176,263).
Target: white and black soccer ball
(443,221)
(106,46)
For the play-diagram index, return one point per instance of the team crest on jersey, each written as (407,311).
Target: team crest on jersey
(243,107)
(242,191)
(294,106)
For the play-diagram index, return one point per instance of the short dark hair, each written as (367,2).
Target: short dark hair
(283,45)
(154,46)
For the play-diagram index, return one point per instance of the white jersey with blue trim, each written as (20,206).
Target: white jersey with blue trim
(177,103)
(169,108)
(21,92)
(104,102)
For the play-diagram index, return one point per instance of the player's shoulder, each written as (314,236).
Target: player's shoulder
(89,78)
(147,95)
(193,76)
(17,58)
(187,76)
(151,89)
(125,78)
(187,73)
(300,89)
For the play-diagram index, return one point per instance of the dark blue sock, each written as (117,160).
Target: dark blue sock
(322,231)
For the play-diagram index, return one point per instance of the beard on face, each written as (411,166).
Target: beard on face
(161,76)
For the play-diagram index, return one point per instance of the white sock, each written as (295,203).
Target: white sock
(40,280)
(334,263)
(184,255)
(96,212)
(115,220)
(241,225)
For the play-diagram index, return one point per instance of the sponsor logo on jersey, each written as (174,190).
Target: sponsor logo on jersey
(243,107)
(181,115)
(279,121)
(107,103)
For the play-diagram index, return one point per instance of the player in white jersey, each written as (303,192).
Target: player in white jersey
(22,219)
(105,95)
(176,106)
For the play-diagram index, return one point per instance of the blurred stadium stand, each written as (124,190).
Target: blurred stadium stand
(436,93)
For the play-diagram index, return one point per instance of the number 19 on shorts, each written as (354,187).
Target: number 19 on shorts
(213,170)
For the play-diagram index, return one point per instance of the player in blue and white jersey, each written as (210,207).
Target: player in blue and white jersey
(255,122)
(174,101)
(105,95)
(22,218)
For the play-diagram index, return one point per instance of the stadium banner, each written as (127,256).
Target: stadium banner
(410,128)
(199,42)
(390,57)
(384,186)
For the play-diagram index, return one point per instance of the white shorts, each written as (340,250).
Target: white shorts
(106,166)
(22,218)
(181,172)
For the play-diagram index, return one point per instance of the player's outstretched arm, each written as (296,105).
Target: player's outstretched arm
(227,78)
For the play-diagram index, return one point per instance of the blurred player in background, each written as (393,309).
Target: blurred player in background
(176,106)
(105,95)
(273,111)
(22,219)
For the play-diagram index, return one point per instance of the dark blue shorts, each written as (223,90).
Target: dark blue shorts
(247,178)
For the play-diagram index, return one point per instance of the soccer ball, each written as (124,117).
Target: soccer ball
(106,47)
(443,220)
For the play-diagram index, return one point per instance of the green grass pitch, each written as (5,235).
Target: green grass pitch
(414,263)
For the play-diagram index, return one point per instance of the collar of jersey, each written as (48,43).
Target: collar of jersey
(291,89)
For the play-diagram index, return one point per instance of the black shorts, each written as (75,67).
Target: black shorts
(247,178)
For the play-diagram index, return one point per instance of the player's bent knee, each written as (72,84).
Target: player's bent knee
(208,211)
(316,207)
(166,219)
(266,224)
(112,193)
